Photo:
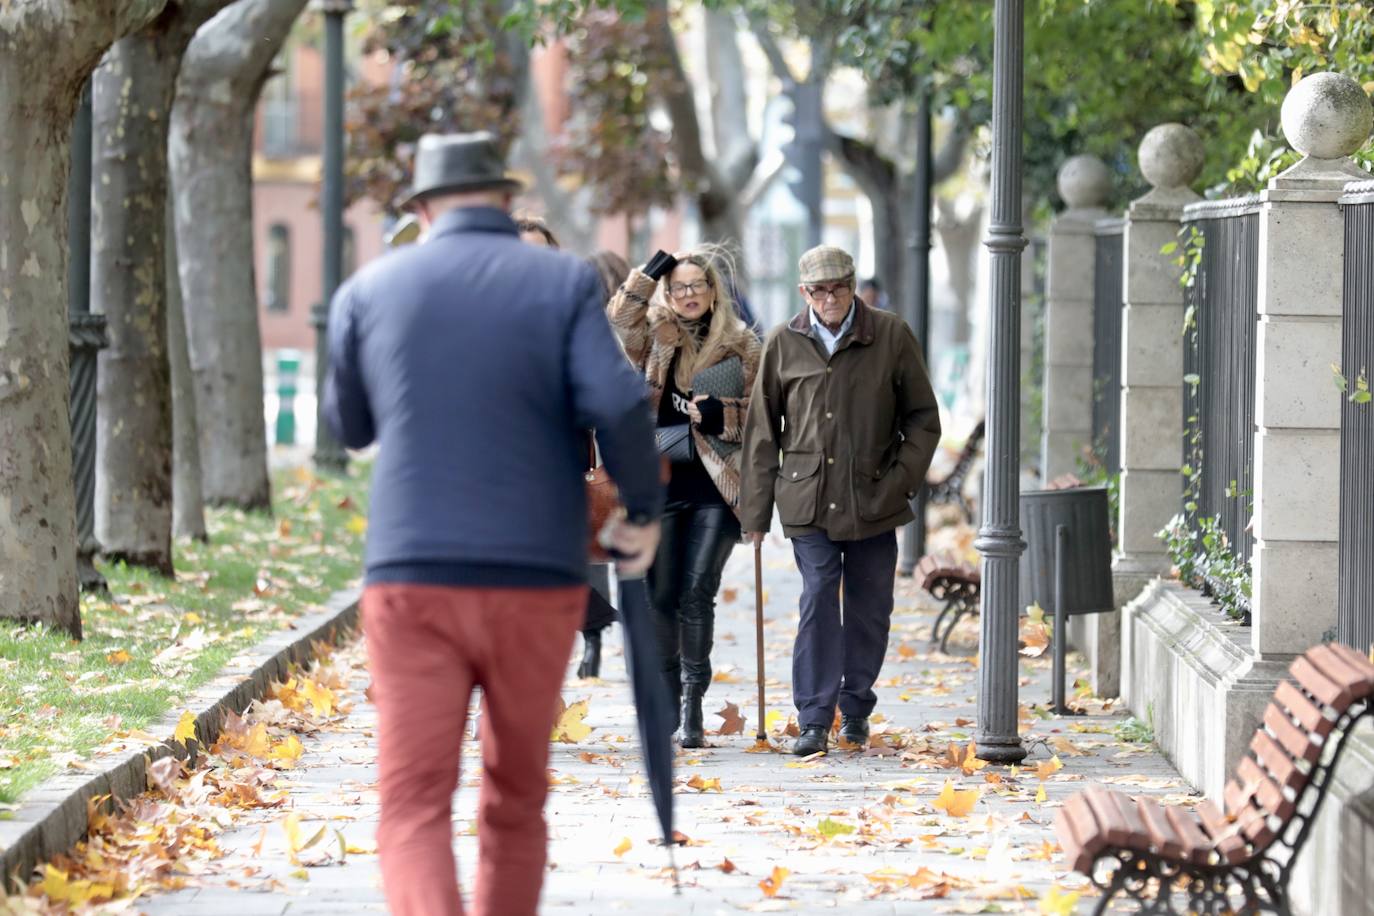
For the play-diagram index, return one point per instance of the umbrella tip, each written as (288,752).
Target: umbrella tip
(672,863)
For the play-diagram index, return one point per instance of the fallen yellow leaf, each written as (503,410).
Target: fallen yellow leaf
(954,802)
(288,751)
(118,657)
(623,848)
(186,727)
(1058,903)
(701,784)
(773,883)
(569,727)
(357,525)
(193,618)
(1041,796)
(1047,768)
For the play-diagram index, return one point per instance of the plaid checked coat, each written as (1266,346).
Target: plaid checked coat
(651,338)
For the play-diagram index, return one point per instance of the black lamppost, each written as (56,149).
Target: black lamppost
(918,310)
(329,454)
(85,338)
(999,540)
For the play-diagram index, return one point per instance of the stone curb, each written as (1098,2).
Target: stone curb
(52,817)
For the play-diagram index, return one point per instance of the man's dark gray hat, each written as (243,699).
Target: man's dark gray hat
(454,163)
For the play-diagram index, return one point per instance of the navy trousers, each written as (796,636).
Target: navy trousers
(837,656)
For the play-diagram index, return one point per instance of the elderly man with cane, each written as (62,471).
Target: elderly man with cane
(841,429)
(478,363)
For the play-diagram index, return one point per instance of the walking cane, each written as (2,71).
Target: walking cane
(761,737)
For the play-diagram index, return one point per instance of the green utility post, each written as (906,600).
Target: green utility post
(288,366)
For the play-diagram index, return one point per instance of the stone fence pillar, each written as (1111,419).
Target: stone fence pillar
(1084,183)
(1152,355)
(1297,410)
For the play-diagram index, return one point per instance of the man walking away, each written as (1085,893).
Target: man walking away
(477,362)
(842,393)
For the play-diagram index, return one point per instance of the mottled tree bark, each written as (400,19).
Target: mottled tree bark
(188,502)
(133,92)
(211,150)
(47,52)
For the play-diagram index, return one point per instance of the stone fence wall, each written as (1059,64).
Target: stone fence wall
(1229,331)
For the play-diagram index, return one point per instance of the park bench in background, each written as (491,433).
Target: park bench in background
(956,584)
(950,489)
(1247,849)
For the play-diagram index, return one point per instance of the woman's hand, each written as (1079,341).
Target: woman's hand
(694,408)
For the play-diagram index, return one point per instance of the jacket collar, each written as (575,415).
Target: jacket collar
(861,331)
(474,219)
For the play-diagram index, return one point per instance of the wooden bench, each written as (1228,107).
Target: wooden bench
(950,489)
(956,584)
(1246,846)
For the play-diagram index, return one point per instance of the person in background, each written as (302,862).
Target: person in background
(843,396)
(534,231)
(680,329)
(612,270)
(478,363)
(871,292)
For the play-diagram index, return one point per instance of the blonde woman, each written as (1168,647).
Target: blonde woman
(679,326)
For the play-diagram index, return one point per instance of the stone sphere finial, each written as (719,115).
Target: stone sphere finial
(1084,181)
(1171,156)
(1327,116)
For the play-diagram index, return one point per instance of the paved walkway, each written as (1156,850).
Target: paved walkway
(856,833)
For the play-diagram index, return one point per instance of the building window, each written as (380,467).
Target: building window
(278,268)
(349,260)
(279,109)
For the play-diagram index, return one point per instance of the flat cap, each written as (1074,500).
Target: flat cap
(824,263)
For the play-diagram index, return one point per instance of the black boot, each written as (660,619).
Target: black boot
(674,679)
(591,654)
(854,729)
(693,730)
(812,740)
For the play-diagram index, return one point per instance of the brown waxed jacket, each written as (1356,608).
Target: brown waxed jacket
(839,442)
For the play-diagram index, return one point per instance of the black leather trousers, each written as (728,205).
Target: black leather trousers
(683,582)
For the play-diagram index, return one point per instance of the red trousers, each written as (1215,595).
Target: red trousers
(428,646)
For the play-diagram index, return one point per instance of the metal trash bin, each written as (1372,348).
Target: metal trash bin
(1067,567)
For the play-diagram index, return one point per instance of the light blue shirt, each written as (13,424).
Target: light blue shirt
(828,340)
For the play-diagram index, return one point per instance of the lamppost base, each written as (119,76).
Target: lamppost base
(998,749)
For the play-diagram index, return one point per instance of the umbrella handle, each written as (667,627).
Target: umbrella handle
(762,733)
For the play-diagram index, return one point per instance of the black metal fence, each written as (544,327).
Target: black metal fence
(1355,614)
(1220,241)
(1107,295)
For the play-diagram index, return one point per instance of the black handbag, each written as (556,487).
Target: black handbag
(676,443)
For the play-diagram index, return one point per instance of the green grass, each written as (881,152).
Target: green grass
(61,699)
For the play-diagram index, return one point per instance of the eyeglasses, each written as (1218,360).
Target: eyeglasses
(829,292)
(683,290)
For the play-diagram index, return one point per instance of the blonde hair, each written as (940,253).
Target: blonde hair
(727,334)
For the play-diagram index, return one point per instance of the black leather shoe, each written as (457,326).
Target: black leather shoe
(591,655)
(854,729)
(811,741)
(693,730)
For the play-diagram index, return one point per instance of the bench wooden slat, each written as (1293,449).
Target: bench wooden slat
(1304,710)
(1357,660)
(1224,833)
(1296,741)
(1091,837)
(1255,825)
(1165,840)
(1075,852)
(1320,686)
(1196,846)
(1277,761)
(1336,667)
(1260,787)
(1126,805)
(1109,816)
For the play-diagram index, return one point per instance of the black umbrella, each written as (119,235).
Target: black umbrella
(653,707)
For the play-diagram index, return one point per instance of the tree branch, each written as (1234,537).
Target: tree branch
(773,52)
